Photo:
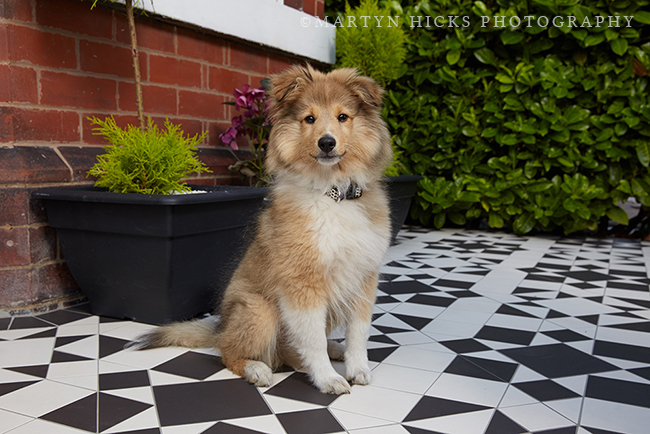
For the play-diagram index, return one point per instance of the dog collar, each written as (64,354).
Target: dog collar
(353,192)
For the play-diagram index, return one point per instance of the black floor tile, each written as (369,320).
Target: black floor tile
(462,366)
(501,334)
(35,370)
(61,317)
(28,322)
(11,387)
(298,386)
(81,414)
(432,300)
(406,287)
(546,390)
(502,424)
(319,421)
(123,380)
(625,392)
(429,407)
(622,351)
(558,360)
(226,428)
(192,365)
(462,346)
(109,345)
(566,335)
(206,401)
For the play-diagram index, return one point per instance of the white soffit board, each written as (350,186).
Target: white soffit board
(265,22)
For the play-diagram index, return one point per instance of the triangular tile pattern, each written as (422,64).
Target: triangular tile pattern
(473,331)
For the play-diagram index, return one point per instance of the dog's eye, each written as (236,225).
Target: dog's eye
(343,117)
(310,119)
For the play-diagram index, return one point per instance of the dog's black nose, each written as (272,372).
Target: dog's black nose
(326,143)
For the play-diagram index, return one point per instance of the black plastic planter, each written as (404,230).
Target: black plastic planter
(401,190)
(151,258)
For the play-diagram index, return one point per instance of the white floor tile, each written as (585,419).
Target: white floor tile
(468,389)
(41,398)
(402,378)
(417,358)
(377,402)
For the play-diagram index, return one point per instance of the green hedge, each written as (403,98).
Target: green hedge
(527,127)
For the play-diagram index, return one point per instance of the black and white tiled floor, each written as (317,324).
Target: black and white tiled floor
(474,333)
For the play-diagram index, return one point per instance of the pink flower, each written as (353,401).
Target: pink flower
(237,122)
(229,138)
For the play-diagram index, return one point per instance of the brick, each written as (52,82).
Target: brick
(309,7)
(42,244)
(88,136)
(4,42)
(65,90)
(168,70)
(52,281)
(109,59)
(320,9)
(22,84)
(156,99)
(14,206)
(150,34)
(75,16)
(6,124)
(44,125)
(31,164)
(41,48)
(14,246)
(226,80)
(16,287)
(80,159)
(36,210)
(17,10)
(296,4)
(190,127)
(199,46)
(200,104)
(278,64)
(247,58)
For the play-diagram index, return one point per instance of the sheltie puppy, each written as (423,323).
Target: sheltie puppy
(314,261)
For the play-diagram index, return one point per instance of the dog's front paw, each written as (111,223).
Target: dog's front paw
(360,376)
(258,373)
(335,385)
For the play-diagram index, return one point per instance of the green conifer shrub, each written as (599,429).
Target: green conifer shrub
(149,161)
(372,40)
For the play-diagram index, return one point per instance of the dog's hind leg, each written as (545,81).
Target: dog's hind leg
(248,341)
(335,350)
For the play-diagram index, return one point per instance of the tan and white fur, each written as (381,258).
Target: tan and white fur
(313,264)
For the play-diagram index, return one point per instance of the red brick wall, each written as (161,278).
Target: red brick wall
(60,62)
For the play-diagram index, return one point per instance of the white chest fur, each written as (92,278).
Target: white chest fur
(350,245)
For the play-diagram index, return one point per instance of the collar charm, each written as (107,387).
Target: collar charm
(353,192)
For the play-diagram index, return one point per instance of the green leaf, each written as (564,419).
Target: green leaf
(619,46)
(642,17)
(485,55)
(643,152)
(439,220)
(495,220)
(524,223)
(592,39)
(453,56)
(618,215)
(508,37)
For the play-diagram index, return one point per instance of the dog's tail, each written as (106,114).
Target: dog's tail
(199,333)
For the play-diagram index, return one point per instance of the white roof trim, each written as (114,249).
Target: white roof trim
(265,22)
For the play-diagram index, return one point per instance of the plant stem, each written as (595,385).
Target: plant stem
(136,63)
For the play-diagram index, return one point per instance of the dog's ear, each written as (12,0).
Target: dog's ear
(367,90)
(287,83)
